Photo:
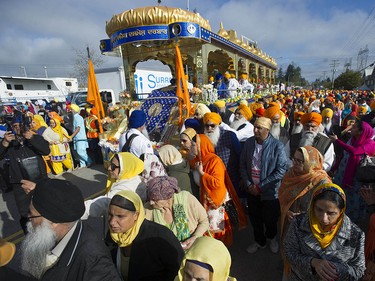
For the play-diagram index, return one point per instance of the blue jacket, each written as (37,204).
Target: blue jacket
(274,166)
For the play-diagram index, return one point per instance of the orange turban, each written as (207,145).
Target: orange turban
(272,111)
(56,116)
(213,117)
(246,112)
(94,111)
(372,105)
(311,117)
(254,106)
(298,114)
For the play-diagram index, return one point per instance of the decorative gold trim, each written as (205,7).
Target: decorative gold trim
(153,15)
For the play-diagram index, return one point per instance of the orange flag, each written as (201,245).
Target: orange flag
(181,91)
(93,95)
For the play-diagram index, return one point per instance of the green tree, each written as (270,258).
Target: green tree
(280,75)
(348,80)
(293,76)
(81,66)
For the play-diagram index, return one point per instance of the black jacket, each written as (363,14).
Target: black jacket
(37,145)
(156,254)
(85,258)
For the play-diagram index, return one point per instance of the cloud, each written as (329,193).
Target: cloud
(309,33)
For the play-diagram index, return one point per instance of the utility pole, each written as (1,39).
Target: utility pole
(333,65)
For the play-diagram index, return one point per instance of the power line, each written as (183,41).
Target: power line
(333,66)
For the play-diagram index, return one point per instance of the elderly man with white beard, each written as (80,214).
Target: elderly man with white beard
(297,126)
(58,245)
(240,124)
(329,128)
(310,135)
(227,147)
(277,131)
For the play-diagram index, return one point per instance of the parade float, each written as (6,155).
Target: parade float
(152,33)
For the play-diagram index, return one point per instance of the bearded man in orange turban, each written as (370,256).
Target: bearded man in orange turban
(311,135)
(226,145)
(277,131)
(297,126)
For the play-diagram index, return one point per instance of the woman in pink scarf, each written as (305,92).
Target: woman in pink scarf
(360,143)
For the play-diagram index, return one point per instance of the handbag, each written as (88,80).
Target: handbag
(366,169)
(30,169)
(231,210)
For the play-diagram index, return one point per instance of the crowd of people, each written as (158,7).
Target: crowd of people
(286,164)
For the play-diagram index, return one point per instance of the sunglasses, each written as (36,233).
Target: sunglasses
(210,125)
(114,167)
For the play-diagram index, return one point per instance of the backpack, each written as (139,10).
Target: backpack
(126,147)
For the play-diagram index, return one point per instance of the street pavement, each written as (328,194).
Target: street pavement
(261,266)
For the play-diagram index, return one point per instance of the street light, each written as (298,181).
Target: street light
(24,71)
(45,71)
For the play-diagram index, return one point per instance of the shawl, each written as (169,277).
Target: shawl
(295,185)
(356,148)
(127,238)
(216,182)
(130,166)
(209,251)
(325,237)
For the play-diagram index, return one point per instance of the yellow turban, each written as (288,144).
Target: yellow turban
(227,75)
(362,109)
(244,76)
(75,107)
(311,117)
(327,112)
(246,112)
(213,117)
(220,103)
(272,111)
(254,106)
(372,105)
(264,122)
(232,76)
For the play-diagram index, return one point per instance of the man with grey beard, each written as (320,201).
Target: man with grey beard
(310,135)
(58,245)
(297,126)
(277,131)
(227,146)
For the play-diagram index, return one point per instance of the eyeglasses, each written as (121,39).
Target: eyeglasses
(298,161)
(34,217)
(210,125)
(114,167)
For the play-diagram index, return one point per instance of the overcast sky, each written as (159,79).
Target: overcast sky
(310,33)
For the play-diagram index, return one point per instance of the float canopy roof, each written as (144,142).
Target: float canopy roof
(155,15)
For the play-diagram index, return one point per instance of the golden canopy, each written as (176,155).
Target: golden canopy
(153,15)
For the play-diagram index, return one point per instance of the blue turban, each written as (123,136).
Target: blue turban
(137,119)
(17,119)
(192,123)
(218,76)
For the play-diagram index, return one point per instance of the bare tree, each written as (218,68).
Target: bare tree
(81,64)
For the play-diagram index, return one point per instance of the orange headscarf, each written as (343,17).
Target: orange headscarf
(56,117)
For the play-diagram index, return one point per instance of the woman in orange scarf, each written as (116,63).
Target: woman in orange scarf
(216,189)
(297,186)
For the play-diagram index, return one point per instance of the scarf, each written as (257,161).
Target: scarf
(130,166)
(58,129)
(363,144)
(180,224)
(325,237)
(295,185)
(127,238)
(211,252)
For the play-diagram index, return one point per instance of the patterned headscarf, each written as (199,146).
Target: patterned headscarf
(162,188)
